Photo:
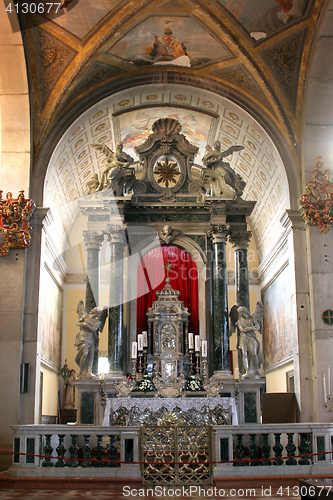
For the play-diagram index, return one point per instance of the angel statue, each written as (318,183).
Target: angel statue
(219,174)
(117,173)
(86,340)
(250,354)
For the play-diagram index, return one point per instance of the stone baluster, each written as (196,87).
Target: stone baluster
(117,239)
(291,449)
(47,449)
(240,451)
(253,449)
(99,450)
(304,448)
(278,449)
(240,243)
(60,449)
(265,450)
(218,235)
(86,452)
(73,452)
(112,452)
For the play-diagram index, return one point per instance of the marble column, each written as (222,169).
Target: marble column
(117,240)
(240,243)
(93,242)
(218,235)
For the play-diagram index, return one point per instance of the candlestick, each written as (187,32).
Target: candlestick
(134,350)
(204,349)
(324,385)
(140,342)
(190,341)
(329,381)
(145,339)
(197,343)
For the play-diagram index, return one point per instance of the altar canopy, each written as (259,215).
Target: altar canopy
(183,277)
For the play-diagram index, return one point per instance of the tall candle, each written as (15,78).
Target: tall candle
(140,342)
(324,385)
(197,343)
(329,381)
(145,339)
(204,348)
(190,341)
(134,350)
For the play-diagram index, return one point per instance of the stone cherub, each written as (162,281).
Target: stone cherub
(117,174)
(219,174)
(248,345)
(86,340)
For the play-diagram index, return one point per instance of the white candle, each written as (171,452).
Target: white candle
(324,385)
(197,343)
(329,380)
(102,374)
(204,348)
(134,350)
(190,341)
(140,342)
(145,339)
(236,371)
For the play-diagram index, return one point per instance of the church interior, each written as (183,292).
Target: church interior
(166,256)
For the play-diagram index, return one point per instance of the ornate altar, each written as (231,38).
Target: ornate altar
(168,334)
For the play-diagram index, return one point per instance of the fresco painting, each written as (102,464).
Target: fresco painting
(135,127)
(172,40)
(50,312)
(277,337)
(265,15)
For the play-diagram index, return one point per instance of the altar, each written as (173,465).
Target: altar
(159,411)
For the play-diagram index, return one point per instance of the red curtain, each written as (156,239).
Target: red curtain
(183,277)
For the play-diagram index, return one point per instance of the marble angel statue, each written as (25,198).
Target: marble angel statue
(250,353)
(117,173)
(86,340)
(218,174)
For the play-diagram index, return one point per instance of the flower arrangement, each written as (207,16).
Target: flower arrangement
(146,384)
(193,384)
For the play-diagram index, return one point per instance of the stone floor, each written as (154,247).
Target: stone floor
(115,493)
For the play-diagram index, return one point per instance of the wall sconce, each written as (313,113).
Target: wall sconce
(317,202)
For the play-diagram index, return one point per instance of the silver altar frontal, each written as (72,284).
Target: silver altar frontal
(155,411)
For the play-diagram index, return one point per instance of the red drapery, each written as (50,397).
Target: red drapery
(183,277)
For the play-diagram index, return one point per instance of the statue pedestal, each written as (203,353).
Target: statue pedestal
(90,404)
(249,399)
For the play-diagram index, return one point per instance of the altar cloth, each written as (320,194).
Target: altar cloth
(149,406)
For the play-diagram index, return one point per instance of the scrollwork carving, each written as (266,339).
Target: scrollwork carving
(14,216)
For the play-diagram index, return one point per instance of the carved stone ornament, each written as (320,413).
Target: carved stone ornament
(167,234)
(167,157)
(14,216)
(240,240)
(172,389)
(124,387)
(217,233)
(213,387)
(117,175)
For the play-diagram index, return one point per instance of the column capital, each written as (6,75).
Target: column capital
(218,233)
(93,240)
(240,240)
(116,234)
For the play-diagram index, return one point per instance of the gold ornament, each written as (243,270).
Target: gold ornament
(14,215)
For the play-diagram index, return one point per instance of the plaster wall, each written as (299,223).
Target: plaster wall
(14,176)
(276,381)
(49,395)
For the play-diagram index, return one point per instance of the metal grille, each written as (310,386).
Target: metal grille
(176,455)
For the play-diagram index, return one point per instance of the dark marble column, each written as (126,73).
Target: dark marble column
(240,242)
(93,243)
(117,240)
(218,235)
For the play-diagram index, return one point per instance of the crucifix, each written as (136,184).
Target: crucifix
(168,266)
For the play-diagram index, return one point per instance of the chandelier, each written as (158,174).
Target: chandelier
(317,202)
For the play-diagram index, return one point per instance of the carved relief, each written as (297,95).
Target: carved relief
(14,216)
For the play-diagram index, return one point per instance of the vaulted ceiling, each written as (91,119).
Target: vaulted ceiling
(245,57)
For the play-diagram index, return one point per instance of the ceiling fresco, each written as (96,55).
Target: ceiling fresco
(265,16)
(173,40)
